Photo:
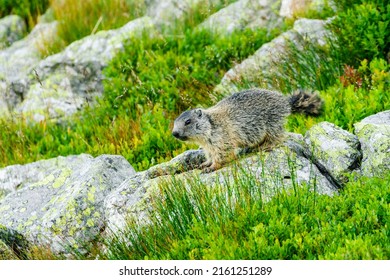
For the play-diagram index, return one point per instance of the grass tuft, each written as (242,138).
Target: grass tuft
(191,220)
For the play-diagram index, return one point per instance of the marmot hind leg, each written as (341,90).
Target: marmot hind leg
(206,163)
(271,141)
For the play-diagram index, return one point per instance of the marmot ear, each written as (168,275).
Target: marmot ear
(198,112)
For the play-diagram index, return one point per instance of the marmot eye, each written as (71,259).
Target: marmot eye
(187,122)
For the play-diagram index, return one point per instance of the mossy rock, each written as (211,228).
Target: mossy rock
(374,136)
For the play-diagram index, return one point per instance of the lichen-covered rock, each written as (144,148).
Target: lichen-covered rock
(337,150)
(281,168)
(65,207)
(17,176)
(18,59)
(374,136)
(132,196)
(244,14)
(262,62)
(12,29)
(182,163)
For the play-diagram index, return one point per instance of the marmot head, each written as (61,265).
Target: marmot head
(191,125)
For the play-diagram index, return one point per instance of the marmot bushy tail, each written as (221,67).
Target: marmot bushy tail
(246,119)
(305,102)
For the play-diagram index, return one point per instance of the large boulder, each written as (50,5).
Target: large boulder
(62,207)
(12,29)
(333,148)
(374,136)
(64,82)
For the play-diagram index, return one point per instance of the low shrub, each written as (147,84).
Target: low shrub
(362,29)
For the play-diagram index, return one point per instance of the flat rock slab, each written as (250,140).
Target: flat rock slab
(64,208)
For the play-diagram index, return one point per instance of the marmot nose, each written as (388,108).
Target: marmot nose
(175,134)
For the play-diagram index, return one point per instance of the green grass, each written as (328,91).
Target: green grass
(197,221)
(78,19)
(353,96)
(29,10)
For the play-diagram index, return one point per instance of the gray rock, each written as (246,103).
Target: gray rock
(168,13)
(18,59)
(133,195)
(64,208)
(282,168)
(12,29)
(335,149)
(243,14)
(15,177)
(374,136)
(17,62)
(262,62)
(4,104)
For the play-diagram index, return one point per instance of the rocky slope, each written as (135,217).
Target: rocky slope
(69,201)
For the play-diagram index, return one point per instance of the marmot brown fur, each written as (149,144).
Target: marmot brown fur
(246,119)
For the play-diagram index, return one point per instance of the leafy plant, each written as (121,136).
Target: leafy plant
(363,31)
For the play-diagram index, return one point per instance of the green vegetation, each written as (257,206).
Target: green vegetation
(27,9)
(232,222)
(363,30)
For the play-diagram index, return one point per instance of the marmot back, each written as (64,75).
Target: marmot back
(250,118)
